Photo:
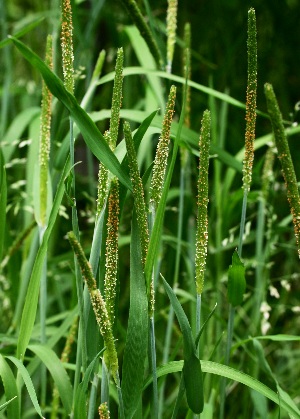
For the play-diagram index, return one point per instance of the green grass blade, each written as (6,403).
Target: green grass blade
(10,389)
(30,307)
(23,31)
(80,398)
(58,373)
(236,280)
(232,374)
(3,200)
(137,331)
(15,130)
(28,383)
(132,71)
(92,136)
(192,368)
(4,405)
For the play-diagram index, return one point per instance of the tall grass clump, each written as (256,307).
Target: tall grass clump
(138,279)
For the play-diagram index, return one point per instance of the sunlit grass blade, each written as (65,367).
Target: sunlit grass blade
(192,368)
(232,374)
(28,383)
(10,389)
(4,405)
(90,132)
(30,307)
(135,352)
(59,374)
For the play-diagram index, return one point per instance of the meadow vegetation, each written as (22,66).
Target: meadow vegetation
(149,217)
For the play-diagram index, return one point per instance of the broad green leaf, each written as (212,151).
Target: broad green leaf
(232,374)
(192,368)
(28,383)
(135,352)
(3,199)
(10,389)
(92,136)
(58,373)
(236,280)
(31,301)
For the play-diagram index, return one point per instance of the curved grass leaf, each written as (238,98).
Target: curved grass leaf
(92,136)
(10,389)
(31,301)
(232,374)
(28,383)
(58,373)
(132,71)
(191,368)
(135,352)
(23,31)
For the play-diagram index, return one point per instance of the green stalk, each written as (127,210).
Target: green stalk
(44,152)
(68,72)
(247,166)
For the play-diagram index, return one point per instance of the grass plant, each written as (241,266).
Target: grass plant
(128,247)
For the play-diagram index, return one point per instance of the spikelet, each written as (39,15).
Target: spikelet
(67,45)
(202,222)
(250,101)
(111,261)
(162,151)
(138,192)
(171,32)
(98,305)
(44,150)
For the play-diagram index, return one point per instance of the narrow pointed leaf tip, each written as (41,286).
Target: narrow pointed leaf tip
(92,136)
(236,280)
